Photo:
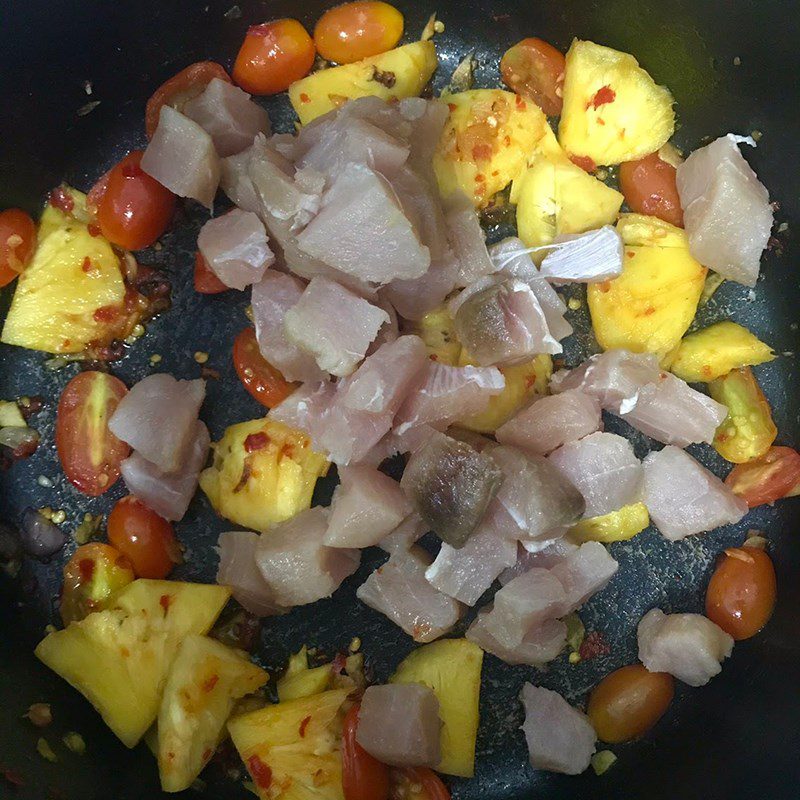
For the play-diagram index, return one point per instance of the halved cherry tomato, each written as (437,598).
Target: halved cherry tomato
(766,479)
(363,777)
(135,209)
(97,191)
(205,280)
(628,702)
(17,242)
(741,593)
(259,377)
(180,89)
(353,31)
(273,55)
(535,69)
(145,538)
(649,187)
(90,454)
(420,783)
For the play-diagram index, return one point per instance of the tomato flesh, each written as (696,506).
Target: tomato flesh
(180,89)
(535,69)
(766,479)
(353,31)
(628,702)
(650,187)
(363,777)
(205,280)
(742,591)
(273,56)
(258,376)
(421,783)
(90,454)
(143,537)
(17,243)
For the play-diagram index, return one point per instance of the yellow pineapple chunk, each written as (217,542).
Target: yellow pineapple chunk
(437,330)
(300,680)
(613,110)
(617,526)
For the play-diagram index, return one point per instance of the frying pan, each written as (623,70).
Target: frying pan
(738,737)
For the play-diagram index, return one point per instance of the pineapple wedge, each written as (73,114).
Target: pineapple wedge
(119,658)
(205,681)
(291,749)
(438,332)
(613,110)
(301,681)
(618,526)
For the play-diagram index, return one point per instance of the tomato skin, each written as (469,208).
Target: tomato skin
(17,243)
(534,69)
(363,777)
(742,592)
(628,702)
(766,479)
(90,454)
(430,784)
(259,377)
(143,537)
(180,89)
(650,187)
(353,31)
(205,280)
(273,55)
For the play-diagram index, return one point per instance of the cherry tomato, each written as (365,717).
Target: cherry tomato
(628,702)
(766,479)
(180,89)
(17,242)
(741,593)
(535,69)
(273,55)
(145,538)
(363,777)
(94,573)
(649,188)
(205,280)
(353,31)
(259,377)
(90,454)
(134,209)
(420,783)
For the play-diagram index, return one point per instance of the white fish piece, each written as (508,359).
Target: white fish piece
(546,557)
(274,295)
(560,738)
(295,563)
(361,230)
(181,157)
(398,590)
(589,257)
(236,183)
(414,298)
(467,240)
(684,498)
(552,421)
(333,324)
(237,569)
(167,493)
(539,646)
(229,116)
(689,646)
(307,409)
(366,507)
(427,119)
(583,573)
(158,418)
(398,723)
(604,468)
(390,331)
(235,248)
(406,534)
(726,210)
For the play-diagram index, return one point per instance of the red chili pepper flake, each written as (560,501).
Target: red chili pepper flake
(94,229)
(595,644)
(339,663)
(61,200)
(649,311)
(603,96)
(630,253)
(87,265)
(125,652)
(604,287)
(303,726)
(584,162)
(304,98)
(495,173)
(12,776)
(480,178)
(207,753)
(433,357)
(210,683)
(482,151)
(106,314)
(601,121)
(86,568)
(165,601)
(256,441)
(452,106)
(521,104)
(262,774)
(507,141)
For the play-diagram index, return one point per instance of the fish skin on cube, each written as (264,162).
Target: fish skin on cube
(181,157)
(406,534)
(689,646)
(398,723)
(560,738)
(590,257)
(552,421)
(604,468)
(684,498)
(584,572)
(539,646)
(726,210)
(398,590)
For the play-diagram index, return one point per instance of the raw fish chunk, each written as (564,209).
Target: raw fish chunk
(539,646)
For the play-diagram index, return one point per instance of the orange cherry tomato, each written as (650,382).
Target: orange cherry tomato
(134,209)
(363,777)
(741,593)
(273,55)
(145,538)
(420,783)
(353,31)
(259,377)
(766,479)
(628,702)
(180,89)
(205,280)
(649,187)
(17,243)
(535,69)
(90,454)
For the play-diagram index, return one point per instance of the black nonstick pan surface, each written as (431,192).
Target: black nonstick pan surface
(732,66)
